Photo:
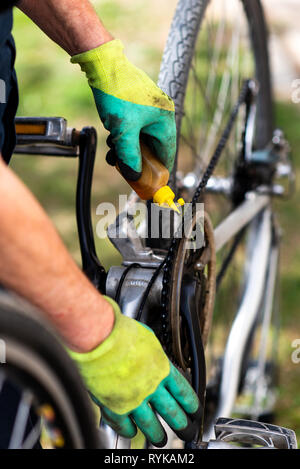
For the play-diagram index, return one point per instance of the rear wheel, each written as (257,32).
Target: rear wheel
(213,46)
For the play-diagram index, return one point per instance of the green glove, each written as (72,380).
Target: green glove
(130,105)
(131,379)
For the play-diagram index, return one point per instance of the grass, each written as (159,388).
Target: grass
(50,85)
(288,408)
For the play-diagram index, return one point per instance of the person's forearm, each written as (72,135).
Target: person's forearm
(72,24)
(35,264)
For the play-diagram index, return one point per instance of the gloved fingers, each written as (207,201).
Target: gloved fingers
(128,152)
(109,141)
(111,157)
(183,392)
(145,418)
(121,424)
(185,425)
(166,406)
(113,160)
(161,137)
(127,172)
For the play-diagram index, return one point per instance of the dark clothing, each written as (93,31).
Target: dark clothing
(9,89)
(9,395)
(6,4)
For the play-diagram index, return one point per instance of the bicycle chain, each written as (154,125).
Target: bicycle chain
(167,264)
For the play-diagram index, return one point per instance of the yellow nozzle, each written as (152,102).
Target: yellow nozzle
(165,196)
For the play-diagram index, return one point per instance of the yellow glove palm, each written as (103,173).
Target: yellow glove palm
(129,374)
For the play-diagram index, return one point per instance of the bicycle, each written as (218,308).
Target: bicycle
(214,307)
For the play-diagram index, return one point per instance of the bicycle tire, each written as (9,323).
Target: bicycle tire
(37,361)
(179,51)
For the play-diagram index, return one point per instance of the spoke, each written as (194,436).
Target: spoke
(203,92)
(21,420)
(190,140)
(213,61)
(236,70)
(221,54)
(215,57)
(235,84)
(192,147)
(198,85)
(195,104)
(221,104)
(209,30)
(217,120)
(33,437)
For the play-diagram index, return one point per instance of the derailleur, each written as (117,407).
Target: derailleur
(269,171)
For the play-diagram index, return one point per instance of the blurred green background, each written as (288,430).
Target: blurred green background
(51,86)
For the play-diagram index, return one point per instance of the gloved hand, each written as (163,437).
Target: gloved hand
(130,106)
(130,378)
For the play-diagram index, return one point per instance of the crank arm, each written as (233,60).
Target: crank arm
(188,311)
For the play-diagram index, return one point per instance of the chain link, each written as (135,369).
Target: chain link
(167,264)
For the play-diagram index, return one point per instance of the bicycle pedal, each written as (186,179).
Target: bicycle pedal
(249,433)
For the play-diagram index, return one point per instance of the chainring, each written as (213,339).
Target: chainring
(198,266)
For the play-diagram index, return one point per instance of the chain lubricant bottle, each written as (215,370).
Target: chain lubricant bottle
(153,182)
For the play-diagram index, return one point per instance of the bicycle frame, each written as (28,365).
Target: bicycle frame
(261,271)
(140,262)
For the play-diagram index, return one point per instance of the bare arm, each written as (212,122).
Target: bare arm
(35,264)
(33,260)
(72,24)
